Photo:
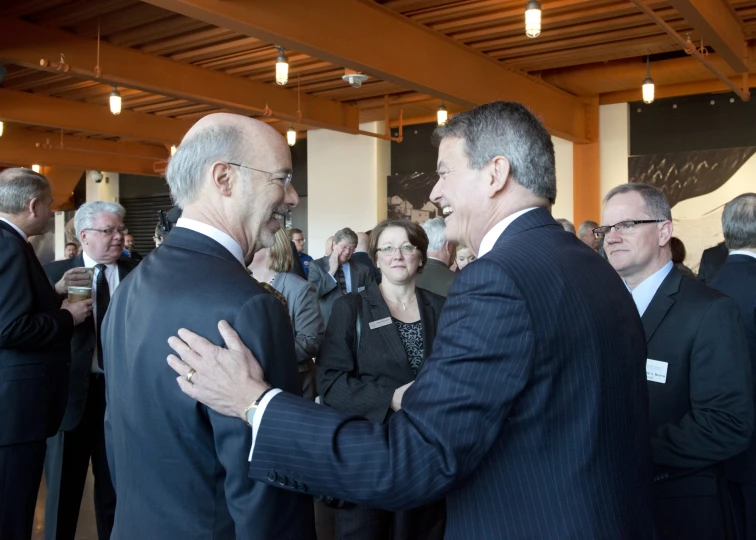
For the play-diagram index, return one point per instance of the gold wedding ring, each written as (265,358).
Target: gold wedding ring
(190,375)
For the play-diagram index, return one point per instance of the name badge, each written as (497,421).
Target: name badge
(656,371)
(360,289)
(380,322)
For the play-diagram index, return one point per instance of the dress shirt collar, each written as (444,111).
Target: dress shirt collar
(489,240)
(15,228)
(439,260)
(216,234)
(644,292)
(89,262)
(743,252)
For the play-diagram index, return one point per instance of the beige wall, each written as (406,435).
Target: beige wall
(563,208)
(614,145)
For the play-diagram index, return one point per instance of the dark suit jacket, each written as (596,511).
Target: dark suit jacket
(83,342)
(737,279)
(436,277)
(302,301)
(712,260)
(365,260)
(365,385)
(530,415)
(328,289)
(35,353)
(179,469)
(703,413)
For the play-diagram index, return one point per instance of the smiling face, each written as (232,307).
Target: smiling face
(345,249)
(398,267)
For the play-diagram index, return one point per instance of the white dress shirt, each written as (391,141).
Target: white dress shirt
(644,292)
(347,276)
(743,252)
(15,228)
(113,279)
(216,234)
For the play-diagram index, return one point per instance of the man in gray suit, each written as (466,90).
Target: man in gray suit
(336,275)
(436,277)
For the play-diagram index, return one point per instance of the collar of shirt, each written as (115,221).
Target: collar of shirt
(645,290)
(489,240)
(439,260)
(216,234)
(15,228)
(89,262)
(743,252)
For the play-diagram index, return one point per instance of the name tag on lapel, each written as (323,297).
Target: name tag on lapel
(360,289)
(380,322)
(656,371)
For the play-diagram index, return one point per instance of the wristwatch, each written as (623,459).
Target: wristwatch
(249,412)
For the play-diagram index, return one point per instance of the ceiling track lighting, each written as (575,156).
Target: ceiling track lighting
(648,84)
(533,19)
(291,136)
(282,67)
(442,114)
(115,101)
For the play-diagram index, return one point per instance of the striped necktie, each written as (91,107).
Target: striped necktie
(342,280)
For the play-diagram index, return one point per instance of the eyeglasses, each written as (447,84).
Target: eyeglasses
(110,231)
(285,177)
(623,226)
(390,250)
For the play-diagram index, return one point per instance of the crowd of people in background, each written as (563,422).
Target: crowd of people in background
(355,332)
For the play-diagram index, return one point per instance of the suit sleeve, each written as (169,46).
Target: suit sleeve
(321,280)
(20,326)
(339,382)
(720,422)
(264,325)
(451,415)
(308,323)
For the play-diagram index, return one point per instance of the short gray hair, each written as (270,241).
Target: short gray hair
(194,156)
(587,227)
(18,187)
(84,218)
(345,234)
(434,229)
(509,129)
(657,205)
(566,225)
(739,222)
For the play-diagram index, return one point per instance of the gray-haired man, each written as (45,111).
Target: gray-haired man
(437,277)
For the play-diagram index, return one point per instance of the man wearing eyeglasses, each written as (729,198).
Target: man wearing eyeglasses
(99,227)
(697,368)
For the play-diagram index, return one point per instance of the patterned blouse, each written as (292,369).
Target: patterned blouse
(412,339)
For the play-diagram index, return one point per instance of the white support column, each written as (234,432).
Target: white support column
(60,235)
(614,148)
(563,208)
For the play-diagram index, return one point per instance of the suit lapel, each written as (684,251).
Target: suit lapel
(390,335)
(354,275)
(661,303)
(428,319)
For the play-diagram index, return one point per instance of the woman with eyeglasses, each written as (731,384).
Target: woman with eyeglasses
(375,345)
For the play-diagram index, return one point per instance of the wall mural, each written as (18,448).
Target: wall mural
(409,197)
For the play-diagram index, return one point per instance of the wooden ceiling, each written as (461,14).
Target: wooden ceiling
(587,48)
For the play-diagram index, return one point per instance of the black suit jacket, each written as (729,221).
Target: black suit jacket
(35,351)
(365,260)
(328,289)
(712,260)
(737,279)
(364,384)
(83,342)
(703,413)
(180,469)
(436,277)
(530,414)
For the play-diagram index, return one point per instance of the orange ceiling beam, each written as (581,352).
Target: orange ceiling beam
(38,110)
(63,183)
(133,69)
(370,38)
(720,27)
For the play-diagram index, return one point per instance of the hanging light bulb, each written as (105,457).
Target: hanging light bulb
(282,67)
(533,19)
(36,168)
(1,129)
(648,85)
(291,136)
(173,150)
(115,101)
(442,114)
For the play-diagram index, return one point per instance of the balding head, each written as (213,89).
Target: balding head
(363,241)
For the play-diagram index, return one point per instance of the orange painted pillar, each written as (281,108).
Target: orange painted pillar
(586,178)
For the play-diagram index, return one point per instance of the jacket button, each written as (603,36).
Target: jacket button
(300,487)
(282,480)
(319,498)
(272,477)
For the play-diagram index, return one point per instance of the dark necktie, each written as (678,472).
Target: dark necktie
(102,300)
(342,280)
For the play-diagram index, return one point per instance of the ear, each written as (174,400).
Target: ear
(34,206)
(499,175)
(222,178)
(665,233)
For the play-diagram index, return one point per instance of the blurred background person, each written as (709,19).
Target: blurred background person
(361,255)
(585,233)
(329,246)
(128,248)
(296,236)
(273,266)
(71,251)
(566,225)
(437,277)
(678,256)
(157,237)
(375,345)
(712,259)
(464,256)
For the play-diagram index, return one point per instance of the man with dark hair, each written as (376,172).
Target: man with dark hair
(712,260)
(297,237)
(71,251)
(698,368)
(35,334)
(128,249)
(737,279)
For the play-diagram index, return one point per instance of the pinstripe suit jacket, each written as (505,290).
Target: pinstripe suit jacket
(531,414)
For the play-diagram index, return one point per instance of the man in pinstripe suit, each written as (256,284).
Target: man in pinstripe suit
(529,425)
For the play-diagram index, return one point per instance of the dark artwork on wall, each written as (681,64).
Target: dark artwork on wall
(684,175)
(409,196)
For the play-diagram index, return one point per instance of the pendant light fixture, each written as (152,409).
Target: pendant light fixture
(173,150)
(291,136)
(442,115)
(36,168)
(648,84)
(1,129)
(115,101)
(533,19)
(282,67)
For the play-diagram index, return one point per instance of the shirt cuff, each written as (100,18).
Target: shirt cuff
(333,278)
(257,419)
